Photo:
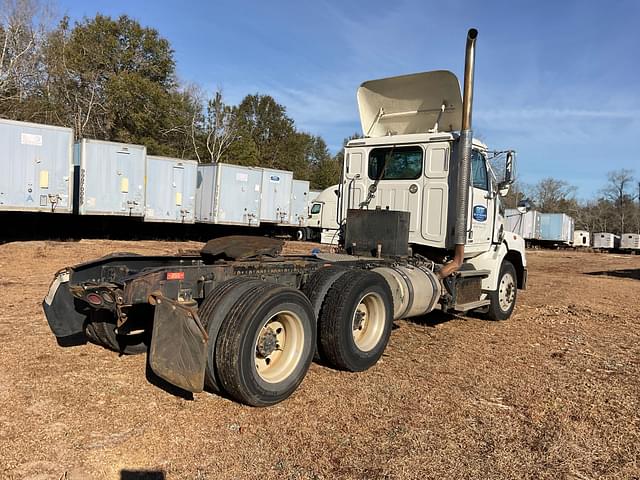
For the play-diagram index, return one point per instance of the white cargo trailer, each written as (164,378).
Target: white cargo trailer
(228,194)
(37,167)
(527,225)
(299,212)
(275,203)
(606,241)
(581,238)
(630,241)
(170,190)
(110,178)
(556,228)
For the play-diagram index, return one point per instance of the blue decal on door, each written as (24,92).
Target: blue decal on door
(480,213)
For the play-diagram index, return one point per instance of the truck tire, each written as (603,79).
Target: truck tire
(503,300)
(101,330)
(316,290)
(212,313)
(265,344)
(300,235)
(91,334)
(355,321)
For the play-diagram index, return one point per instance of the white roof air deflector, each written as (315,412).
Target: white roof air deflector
(410,104)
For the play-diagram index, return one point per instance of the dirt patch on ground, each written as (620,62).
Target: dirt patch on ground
(552,393)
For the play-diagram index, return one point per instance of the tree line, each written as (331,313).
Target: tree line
(114,79)
(615,209)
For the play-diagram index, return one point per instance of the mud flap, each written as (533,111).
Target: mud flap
(65,314)
(178,352)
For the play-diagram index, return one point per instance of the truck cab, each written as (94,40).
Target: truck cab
(407,162)
(323,216)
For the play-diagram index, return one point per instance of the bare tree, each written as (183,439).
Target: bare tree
(552,195)
(619,192)
(23,31)
(220,127)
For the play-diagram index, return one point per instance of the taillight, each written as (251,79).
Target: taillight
(94,299)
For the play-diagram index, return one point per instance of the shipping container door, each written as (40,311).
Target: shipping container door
(238,196)
(131,165)
(299,203)
(36,166)
(126,178)
(187,209)
(276,196)
(178,186)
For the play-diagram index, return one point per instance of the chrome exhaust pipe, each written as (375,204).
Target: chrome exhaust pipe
(464,159)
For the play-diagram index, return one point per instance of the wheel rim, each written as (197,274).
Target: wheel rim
(279,347)
(506,291)
(299,235)
(368,321)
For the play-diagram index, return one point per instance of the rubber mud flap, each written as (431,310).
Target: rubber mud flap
(178,352)
(65,314)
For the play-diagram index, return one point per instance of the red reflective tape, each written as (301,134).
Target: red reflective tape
(175,275)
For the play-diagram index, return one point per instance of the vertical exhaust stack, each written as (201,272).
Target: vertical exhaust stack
(464,159)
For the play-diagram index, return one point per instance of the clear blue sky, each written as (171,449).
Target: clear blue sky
(556,80)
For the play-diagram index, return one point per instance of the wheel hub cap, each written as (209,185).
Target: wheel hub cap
(267,343)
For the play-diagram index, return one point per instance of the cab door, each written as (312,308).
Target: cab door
(481,202)
(355,182)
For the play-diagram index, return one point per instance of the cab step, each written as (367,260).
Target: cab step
(465,307)
(473,273)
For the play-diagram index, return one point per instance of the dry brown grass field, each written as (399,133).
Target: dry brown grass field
(554,392)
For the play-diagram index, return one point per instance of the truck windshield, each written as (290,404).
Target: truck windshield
(405,163)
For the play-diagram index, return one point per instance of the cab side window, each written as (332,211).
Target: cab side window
(316,208)
(395,163)
(479,171)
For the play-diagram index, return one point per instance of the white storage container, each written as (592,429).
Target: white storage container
(605,240)
(228,194)
(110,178)
(170,190)
(299,213)
(630,241)
(275,203)
(556,227)
(527,225)
(36,167)
(581,238)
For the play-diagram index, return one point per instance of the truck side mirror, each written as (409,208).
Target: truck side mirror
(503,186)
(524,206)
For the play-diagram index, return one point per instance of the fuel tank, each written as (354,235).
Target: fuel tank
(415,290)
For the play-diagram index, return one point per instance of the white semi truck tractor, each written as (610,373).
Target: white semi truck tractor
(421,227)
(323,216)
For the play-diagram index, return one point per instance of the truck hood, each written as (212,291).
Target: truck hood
(410,104)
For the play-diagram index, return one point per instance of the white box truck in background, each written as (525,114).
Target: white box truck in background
(323,216)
